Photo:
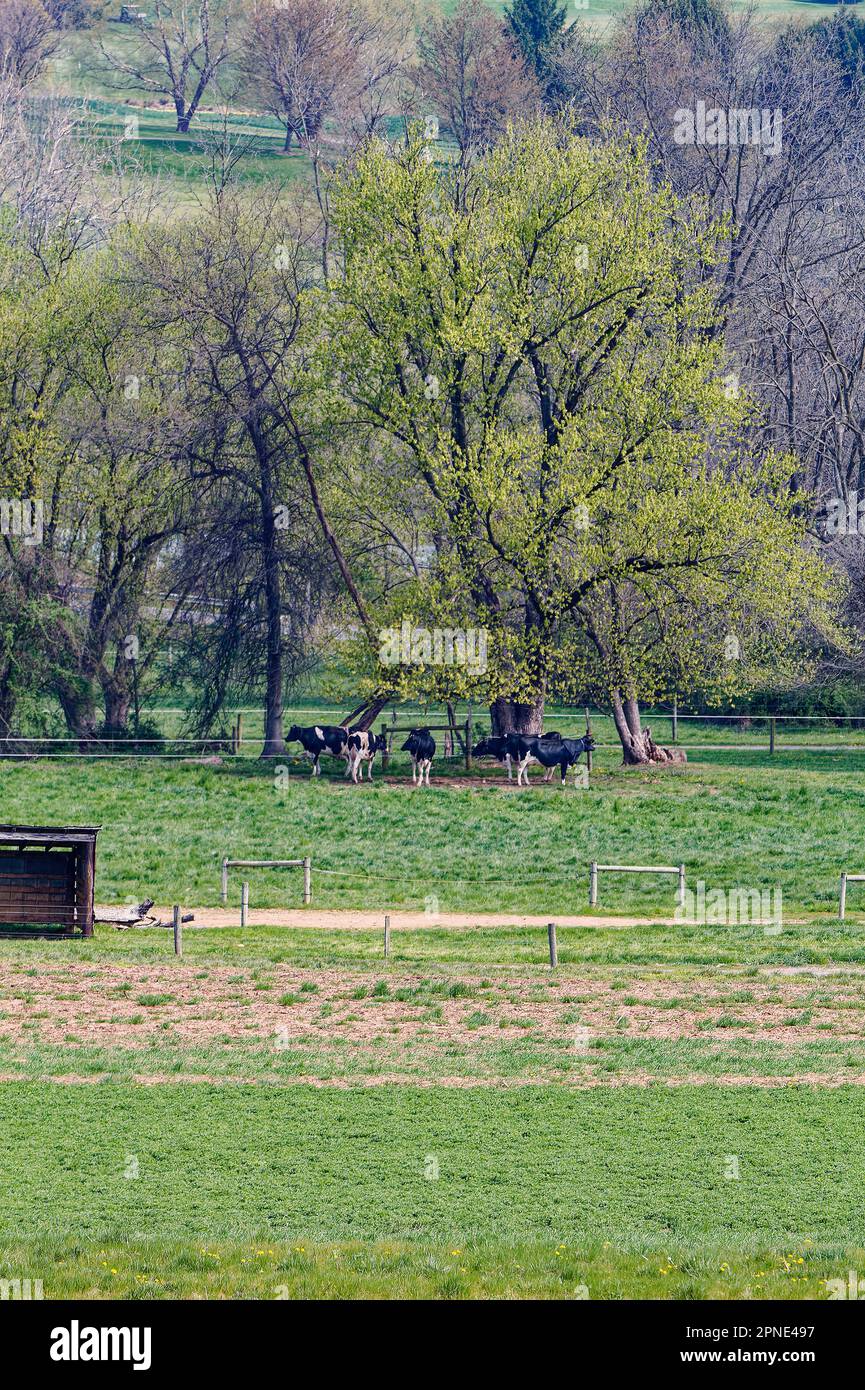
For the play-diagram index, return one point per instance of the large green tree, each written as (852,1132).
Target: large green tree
(530,344)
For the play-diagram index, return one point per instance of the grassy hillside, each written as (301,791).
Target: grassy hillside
(78,72)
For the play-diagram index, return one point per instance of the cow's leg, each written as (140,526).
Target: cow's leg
(316,766)
(369,773)
(549,772)
(523,771)
(428,767)
(354,763)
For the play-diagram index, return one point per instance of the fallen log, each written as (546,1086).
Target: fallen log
(123,916)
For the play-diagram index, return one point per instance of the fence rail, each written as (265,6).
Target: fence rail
(595,869)
(305,864)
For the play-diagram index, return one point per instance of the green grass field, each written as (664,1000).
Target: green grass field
(675,1112)
(301,1192)
(735,818)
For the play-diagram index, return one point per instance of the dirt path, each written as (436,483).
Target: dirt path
(356,919)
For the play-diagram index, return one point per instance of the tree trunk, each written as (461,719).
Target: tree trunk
(117,704)
(364,716)
(7,707)
(512,717)
(638,746)
(79,710)
(274,741)
(117,696)
(288,134)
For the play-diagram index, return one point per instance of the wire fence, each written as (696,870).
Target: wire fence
(692,731)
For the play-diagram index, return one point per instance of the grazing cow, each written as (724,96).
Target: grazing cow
(505,747)
(363,745)
(420,746)
(559,753)
(321,738)
(494,747)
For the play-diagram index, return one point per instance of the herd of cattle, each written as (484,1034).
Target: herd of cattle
(359,746)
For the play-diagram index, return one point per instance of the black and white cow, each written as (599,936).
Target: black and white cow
(363,745)
(321,738)
(494,747)
(420,746)
(506,748)
(551,753)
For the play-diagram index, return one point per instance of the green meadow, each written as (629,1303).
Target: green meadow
(734,818)
(169,1191)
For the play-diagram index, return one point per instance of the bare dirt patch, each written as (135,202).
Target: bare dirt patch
(140,1006)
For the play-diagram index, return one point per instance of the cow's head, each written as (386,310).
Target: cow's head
(483,749)
(589,743)
(293,734)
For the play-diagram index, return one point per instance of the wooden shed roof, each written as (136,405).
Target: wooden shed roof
(48,834)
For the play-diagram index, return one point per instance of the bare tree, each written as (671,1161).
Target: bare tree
(472,75)
(300,54)
(28,38)
(227,289)
(178,53)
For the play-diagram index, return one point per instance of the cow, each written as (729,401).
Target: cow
(505,747)
(321,738)
(363,745)
(551,753)
(420,746)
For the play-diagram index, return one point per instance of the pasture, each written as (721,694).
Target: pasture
(675,1111)
(179,163)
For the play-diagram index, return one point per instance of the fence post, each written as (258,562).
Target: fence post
(385,752)
(178,931)
(842,901)
(554,950)
(239,731)
(772,735)
(225,880)
(593,884)
(244,904)
(588,735)
(307,881)
(681,893)
(675,718)
(469,739)
(386,937)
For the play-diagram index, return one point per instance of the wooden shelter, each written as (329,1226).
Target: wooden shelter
(47,877)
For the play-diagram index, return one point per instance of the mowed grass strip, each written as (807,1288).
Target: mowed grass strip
(638,1168)
(735,820)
